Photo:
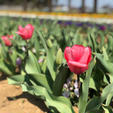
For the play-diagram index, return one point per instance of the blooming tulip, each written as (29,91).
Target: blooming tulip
(7,39)
(27,32)
(78,57)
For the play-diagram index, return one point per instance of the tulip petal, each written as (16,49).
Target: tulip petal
(20,28)
(78,64)
(77,52)
(77,67)
(78,58)
(68,54)
(86,57)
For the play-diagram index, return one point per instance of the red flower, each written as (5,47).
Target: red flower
(25,33)
(7,39)
(78,58)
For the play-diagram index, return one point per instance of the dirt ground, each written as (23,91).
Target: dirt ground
(12,100)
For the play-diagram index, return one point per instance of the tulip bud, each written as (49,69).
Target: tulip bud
(18,61)
(49,43)
(59,57)
(43,67)
(51,37)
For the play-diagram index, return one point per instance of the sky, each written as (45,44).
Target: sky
(89,3)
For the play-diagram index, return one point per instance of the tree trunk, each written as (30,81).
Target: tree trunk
(25,5)
(50,5)
(95,6)
(69,4)
(83,6)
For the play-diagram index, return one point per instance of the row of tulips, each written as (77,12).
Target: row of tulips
(65,66)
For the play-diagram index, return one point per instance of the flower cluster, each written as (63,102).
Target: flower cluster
(69,87)
(26,33)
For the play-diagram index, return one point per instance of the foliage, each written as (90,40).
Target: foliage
(43,70)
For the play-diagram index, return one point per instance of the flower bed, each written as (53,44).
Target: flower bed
(98,18)
(65,64)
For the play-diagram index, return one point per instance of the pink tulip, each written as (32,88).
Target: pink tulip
(27,32)
(7,40)
(78,57)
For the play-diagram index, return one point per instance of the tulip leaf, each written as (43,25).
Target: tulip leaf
(42,80)
(107,109)
(93,41)
(96,102)
(32,65)
(13,57)
(61,103)
(106,64)
(50,60)
(60,80)
(85,88)
(50,65)
(16,79)
(4,68)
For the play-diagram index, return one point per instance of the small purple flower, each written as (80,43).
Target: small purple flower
(59,22)
(18,61)
(79,24)
(68,23)
(76,84)
(76,91)
(66,94)
(68,81)
(103,28)
(65,86)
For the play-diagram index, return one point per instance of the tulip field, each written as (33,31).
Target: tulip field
(64,63)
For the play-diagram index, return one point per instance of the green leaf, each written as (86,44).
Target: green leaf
(16,80)
(92,39)
(50,60)
(13,57)
(107,109)
(92,84)
(60,80)
(32,65)
(50,65)
(85,88)
(42,80)
(106,64)
(62,104)
(4,68)
(96,102)
(109,98)
(42,40)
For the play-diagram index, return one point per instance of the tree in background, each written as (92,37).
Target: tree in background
(83,6)
(69,4)
(50,5)
(25,5)
(95,6)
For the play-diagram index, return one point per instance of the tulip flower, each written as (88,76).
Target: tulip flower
(78,57)
(27,32)
(7,39)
